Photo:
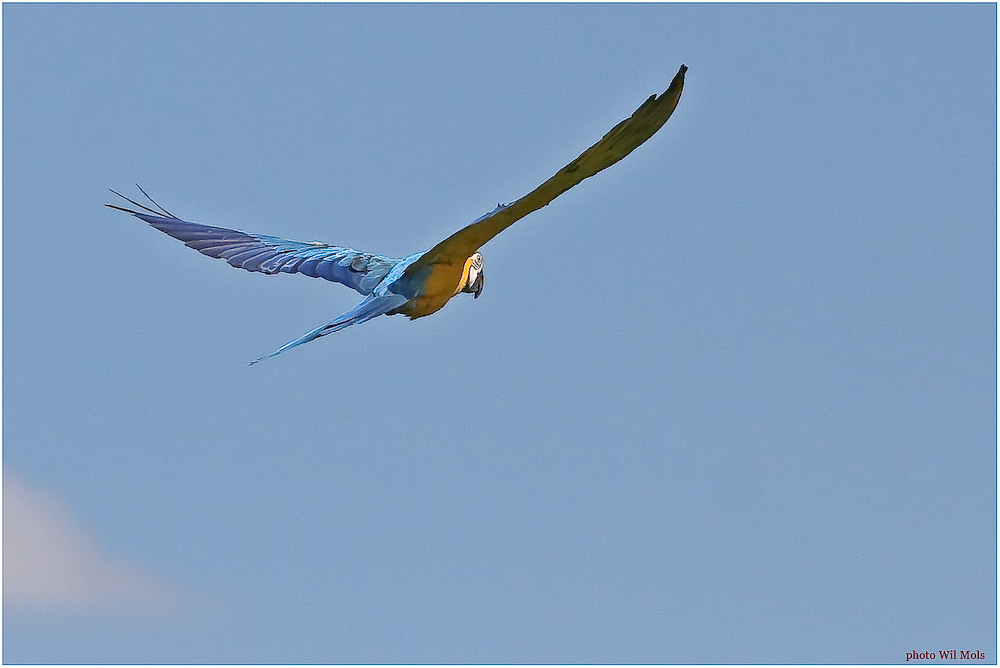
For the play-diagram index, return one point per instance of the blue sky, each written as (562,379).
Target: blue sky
(732,400)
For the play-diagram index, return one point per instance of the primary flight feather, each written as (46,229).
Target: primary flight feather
(422,283)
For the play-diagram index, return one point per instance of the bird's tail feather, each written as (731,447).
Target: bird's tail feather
(370,307)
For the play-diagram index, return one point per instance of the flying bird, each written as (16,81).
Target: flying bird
(422,283)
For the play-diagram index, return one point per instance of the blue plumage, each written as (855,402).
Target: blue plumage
(422,283)
(371,307)
(272,255)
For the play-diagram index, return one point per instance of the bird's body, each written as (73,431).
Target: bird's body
(422,283)
(432,287)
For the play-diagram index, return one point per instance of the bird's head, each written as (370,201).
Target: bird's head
(473,275)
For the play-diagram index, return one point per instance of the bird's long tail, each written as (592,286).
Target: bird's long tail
(370,307)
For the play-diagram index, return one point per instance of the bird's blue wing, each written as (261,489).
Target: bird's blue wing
(271,255)
(370,307)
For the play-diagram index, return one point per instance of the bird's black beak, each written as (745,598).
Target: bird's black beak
(477,285)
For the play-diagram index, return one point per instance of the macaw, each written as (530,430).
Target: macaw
(422,283)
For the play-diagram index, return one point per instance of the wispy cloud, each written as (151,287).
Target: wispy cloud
(51,563)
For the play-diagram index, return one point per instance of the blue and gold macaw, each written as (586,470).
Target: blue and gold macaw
(422,283)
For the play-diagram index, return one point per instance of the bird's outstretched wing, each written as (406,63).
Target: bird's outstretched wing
(267,254)
(615,145)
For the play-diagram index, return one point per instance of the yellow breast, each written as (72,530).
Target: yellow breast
(443,282)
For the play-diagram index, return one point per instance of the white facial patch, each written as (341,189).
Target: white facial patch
(475,266)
